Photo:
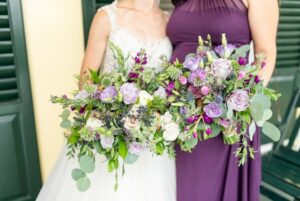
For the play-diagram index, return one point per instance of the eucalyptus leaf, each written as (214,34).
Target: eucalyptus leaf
(66,124)
(256,109)
(77,174)
(252,129)
(131,158)
(83,184)
(241,52)
(267,114)
(264,100)
(229,112)
(87,164)
(65,114)
(260,123)
(271,131)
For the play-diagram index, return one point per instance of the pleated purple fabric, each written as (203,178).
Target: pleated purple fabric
(211,172)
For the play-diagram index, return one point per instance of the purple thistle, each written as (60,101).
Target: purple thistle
(197,77)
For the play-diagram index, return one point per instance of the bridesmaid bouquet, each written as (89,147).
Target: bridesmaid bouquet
(122,114)
(216,91)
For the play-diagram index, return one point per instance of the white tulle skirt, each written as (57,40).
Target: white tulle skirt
(151,178)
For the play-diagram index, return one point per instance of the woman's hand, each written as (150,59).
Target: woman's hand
(263,18)
(96,45)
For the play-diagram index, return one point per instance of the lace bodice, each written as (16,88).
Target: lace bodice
(131,44)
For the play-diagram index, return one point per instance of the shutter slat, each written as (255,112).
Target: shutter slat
(8,79)
(4,22)
(288,40)
(7,95)
(7,59)
(5,47)
(5,34)
(7,71)
(3,8)
(8,83)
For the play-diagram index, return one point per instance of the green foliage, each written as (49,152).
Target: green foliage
(157,104)
(83,184)
(271,131)
(87,164)
(77,174)
(123,150)
(131,158)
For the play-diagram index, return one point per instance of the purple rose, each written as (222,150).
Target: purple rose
(108,95)
(197,77)
(81,95)
(107,141)
(239,100)
(130,93)
(221,68)
(136,147)
(191,63)
(225,52)
(213,110)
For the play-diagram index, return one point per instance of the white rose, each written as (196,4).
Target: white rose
(161,92)
(171,132)
(131,123)
(93,123)
(144,96)
(166,118)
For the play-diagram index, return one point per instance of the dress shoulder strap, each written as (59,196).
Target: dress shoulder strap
(111,11)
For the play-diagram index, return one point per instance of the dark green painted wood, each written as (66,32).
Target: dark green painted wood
(19,167)
(89,8)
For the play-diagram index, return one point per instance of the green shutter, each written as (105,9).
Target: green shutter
(19,167)
(89,8)
(8,80)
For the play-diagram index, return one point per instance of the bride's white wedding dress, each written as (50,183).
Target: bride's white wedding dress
(151,178)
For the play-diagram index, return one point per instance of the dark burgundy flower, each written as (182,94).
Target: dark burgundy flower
(73,108)
(243,61)
(82,110)
(257,79)
(207,119)
(190,120)
(133,75)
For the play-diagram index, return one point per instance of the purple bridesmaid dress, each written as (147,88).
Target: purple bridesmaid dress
(211,172)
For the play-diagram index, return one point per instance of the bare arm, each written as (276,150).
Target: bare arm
(263,18)
(96,45)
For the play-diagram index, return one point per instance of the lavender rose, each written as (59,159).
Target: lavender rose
(191,63)
(222,68)
(107,141)
(81,95)
(239,100)
(130,93)
(226,51)
(109,94)
(136,147)
(213,110)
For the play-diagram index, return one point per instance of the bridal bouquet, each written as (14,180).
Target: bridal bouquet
(216,91)
(122,114)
